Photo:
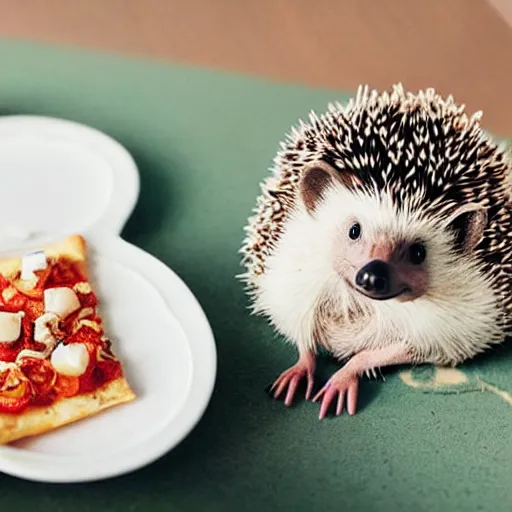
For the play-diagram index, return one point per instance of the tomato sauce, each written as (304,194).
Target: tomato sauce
(35,381)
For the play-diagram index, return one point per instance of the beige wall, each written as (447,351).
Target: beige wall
(462,47)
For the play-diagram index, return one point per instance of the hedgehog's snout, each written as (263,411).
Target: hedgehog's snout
(375,279)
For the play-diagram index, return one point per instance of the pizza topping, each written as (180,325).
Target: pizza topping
(36,354)
(8,293)
(105,371)
(85,335)
(84,313)
(105,351)
(65,273)
(58,349)
(4,365)
(66,386)
(62,301)
(10,326)
(31,262)
(34,287)
(75,323)
(15,390)
(44,328)
(71,360)
(4,282)
(83,287)
(89,300)
(15,304)
(8,352)
(85,322)
(41,375)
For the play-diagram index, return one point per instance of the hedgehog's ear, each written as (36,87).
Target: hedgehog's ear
(468,223)
(316,178)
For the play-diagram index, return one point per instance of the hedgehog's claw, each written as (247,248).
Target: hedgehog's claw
(343,384)
(305,367)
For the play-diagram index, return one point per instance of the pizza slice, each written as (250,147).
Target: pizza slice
(56,363)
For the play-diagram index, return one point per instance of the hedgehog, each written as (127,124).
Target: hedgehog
(382,235)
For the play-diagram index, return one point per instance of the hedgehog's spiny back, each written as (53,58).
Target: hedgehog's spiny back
(422,149)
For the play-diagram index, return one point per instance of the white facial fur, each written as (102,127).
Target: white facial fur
(454,319)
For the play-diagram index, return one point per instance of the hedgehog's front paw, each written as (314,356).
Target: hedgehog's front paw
(344,384)
(305,367)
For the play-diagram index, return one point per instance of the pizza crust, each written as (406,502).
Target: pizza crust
(37,420)
(72,247)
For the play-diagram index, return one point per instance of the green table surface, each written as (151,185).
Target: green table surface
(203,140)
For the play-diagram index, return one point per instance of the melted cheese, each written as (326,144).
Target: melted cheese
(95,326)
(61,301)
(26,352)
(7,366)
(10,326)
(84,313)
(8,293)
(83,287)
(44,327)
(31,262)
(70,360)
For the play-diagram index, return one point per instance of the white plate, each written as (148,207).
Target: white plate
(159,329)
(68,178)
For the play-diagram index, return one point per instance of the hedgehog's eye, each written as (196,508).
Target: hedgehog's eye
(417,253)
(355,231)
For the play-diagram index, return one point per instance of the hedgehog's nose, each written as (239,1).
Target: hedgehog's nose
(374,278)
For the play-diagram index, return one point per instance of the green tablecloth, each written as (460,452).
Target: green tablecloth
(203,140)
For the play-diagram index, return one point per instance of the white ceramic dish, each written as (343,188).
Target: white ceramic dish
(159,329)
